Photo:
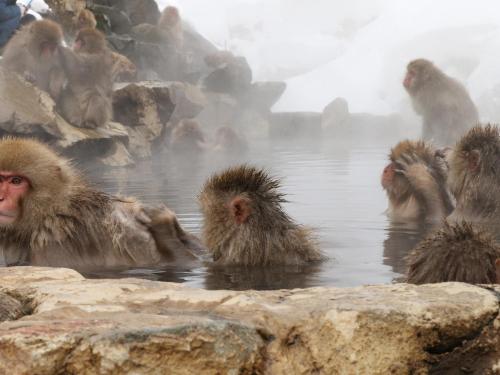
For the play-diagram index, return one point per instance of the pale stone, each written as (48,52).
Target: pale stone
(81,326)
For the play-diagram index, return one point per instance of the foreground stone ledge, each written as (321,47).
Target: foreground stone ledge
(73,325)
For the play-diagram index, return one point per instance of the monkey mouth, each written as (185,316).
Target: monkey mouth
(7,217)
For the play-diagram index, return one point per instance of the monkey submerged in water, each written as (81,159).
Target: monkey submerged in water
(49,216)
(457,252)
(415,183)
(244,222)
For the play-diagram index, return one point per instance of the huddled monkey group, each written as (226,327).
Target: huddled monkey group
(50,216)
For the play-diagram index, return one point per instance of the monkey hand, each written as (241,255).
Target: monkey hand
(409,163)
(157,217)
(416,172)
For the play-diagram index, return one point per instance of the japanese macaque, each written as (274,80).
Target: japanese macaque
(33,52)
(84,19)
(86,101)
(168,30)
(415,183)
(123,70)
(170,22)
(49,216)
(244,222)
(474,176)
(187,136)
(457,252)
(231,74)
(229,141)
(443,102)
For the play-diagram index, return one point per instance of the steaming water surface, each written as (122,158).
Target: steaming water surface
(334,188)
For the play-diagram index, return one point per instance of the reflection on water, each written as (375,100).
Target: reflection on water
(332,187)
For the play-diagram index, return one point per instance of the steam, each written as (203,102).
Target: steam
(356,49)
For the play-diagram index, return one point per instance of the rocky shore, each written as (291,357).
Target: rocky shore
(56,321)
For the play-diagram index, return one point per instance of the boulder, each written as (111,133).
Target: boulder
(81,326)
(65,10)
(263,95)
(145,108)
(27,111)
(10,308)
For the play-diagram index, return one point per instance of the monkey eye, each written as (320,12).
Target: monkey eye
(16,180)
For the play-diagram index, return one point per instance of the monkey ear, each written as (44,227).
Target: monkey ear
(497,267)
(240,209)
(473,160)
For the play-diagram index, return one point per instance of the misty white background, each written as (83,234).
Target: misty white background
(357,49)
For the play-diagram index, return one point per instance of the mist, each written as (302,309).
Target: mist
(358,49)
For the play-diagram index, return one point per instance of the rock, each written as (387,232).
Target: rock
(230,74)
(28,111)
(130,325)
(295,125)
(335,116)
(263,95)
(338,122)
(65,10)
(144,108)
(10,308)
(220,110)
(189,101)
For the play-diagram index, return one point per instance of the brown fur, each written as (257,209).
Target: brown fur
(418,187)
(474,176)
(123,69)
(23,55)
(84,19)
(187,136)
(443,102)
(64,222)
(170,22)
(87,99)
(457,252)
(267,237)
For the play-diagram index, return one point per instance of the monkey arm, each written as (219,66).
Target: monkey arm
(424,185)
(70,61)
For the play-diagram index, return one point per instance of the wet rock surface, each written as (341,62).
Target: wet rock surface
(122,326)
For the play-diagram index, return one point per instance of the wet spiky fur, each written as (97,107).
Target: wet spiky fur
(404,191)
(269,236)
(457,252)
(477,191)
(64,222)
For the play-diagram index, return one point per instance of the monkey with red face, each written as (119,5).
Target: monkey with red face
(49,216)
(415,183)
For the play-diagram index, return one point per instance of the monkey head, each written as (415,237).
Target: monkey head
(240,196)
(475,156)
(89,40)
(170,17)
(394,182)
(83,19)
(418,73)
(33,183)
(457,252)
(45,37)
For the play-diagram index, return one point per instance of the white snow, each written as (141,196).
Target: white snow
(355,49)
